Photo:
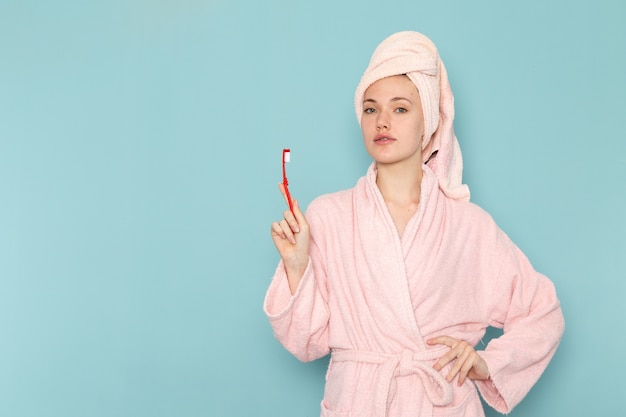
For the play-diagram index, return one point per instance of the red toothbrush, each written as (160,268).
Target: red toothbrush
(287,158)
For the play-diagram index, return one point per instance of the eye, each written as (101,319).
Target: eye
(401,110)
(369,110)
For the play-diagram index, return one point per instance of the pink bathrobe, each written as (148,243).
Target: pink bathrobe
(372,298)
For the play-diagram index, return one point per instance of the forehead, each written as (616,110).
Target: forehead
(396,85)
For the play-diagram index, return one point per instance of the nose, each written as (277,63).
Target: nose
(382,122)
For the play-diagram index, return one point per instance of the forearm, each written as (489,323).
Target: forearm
(295,271)
(299,320)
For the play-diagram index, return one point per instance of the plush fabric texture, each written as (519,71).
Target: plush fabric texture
(415,55)
(372,298)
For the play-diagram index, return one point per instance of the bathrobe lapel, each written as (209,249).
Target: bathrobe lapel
(383,277)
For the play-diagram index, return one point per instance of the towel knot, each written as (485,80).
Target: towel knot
(405,367)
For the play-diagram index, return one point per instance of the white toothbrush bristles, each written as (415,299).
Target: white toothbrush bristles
(288,156)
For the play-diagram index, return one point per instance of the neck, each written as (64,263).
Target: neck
(400,184)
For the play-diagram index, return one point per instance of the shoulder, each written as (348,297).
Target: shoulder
(330,215)
(331,203)
(475,235)
(475,223)
(470,213)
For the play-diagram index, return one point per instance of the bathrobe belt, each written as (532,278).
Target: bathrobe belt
(409,362)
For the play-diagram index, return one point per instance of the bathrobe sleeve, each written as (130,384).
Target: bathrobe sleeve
(526,307)
(300,321)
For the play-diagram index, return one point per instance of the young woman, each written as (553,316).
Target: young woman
(399,277)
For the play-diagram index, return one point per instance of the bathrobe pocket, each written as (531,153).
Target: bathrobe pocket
(468,404)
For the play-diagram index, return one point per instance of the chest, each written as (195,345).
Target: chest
(401,214)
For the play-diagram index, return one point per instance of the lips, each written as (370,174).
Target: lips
(383,139)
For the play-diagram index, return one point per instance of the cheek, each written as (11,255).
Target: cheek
(366,126)
(419,129)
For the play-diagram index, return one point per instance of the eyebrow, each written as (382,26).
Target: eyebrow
(371,100)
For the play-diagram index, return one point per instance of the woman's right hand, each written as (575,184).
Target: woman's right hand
(291,237)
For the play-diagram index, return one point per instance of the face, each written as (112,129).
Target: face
(392,121)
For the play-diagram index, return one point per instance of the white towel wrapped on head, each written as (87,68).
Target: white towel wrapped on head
(415,55)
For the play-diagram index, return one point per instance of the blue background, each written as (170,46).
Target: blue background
(140,147)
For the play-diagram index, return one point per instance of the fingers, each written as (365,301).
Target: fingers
(283,191)
(448,357)
(286,229)
(291,235)
(289,220)
(283,231)
(443,340)
(463,363)
(468,362)
(286,196)
(461,353)
(291,224)
(294,218)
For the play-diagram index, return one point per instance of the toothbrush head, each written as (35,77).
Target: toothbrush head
(286,155)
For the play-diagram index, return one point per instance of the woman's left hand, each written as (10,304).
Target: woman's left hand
(468,363)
